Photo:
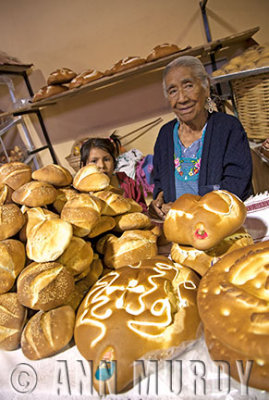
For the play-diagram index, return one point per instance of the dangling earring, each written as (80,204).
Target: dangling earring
(209,105)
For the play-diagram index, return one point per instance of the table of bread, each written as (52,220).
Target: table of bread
(91,306)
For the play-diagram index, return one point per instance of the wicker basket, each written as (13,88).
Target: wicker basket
(74,157)
(252,102)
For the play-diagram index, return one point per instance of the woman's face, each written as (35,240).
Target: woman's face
(185,93)
(102,159)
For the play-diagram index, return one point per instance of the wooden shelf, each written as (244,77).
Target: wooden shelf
(202,51)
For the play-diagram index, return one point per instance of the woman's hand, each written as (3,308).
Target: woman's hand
(266,144)
(155,207)
(166,207)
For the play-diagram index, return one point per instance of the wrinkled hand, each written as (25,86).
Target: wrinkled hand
(166,207)
(155,207)
(266,144)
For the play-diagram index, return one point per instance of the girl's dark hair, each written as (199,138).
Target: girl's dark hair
(111,145)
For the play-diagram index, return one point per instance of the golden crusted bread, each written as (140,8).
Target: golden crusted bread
(85,77)
(115,203)
(162,50)
(90,179)
(135,220)
(35,194)
(104,224)
(201,260)
(15,174)
(233,305)
(134,312)
(44,286)
(61,75)
(49,91)
(47,235)
(125,64)
(5,194)
(12,318)
(46,333)
(53,174)
(11,220)
(202,222)
(12,261)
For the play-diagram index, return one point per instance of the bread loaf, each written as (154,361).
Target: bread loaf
(49,91)
(63,195)
(125,64)
(5,194)
(201,260)
(82,211)
(90,179)
(233,305)
(53,174)
(12,261)
(114,204)
(202,222)
(103,225)
(132,246)
(77,257)
(135,220)
(11,220)
(35,194)
(12,319)
(47,235)
(85,77)
(145,310)
(162,50)
(15,174)
(44,286)
(61,75)
(46,333)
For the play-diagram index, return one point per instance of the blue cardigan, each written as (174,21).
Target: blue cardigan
(226,159)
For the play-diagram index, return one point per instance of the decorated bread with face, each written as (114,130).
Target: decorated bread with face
(202,222)
(233,300)
(139,311)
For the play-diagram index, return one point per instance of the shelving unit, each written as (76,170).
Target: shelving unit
(17,113)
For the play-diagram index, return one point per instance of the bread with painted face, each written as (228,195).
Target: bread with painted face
(233,305)
(140,311)
(202,222)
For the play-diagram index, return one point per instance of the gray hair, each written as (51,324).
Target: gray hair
(191,62)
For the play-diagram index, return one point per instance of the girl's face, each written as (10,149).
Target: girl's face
(102,159)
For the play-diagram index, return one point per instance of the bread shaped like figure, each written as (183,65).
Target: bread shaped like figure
(144,310)
(233,302)
(202,222)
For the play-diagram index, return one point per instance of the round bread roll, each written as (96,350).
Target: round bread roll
(135,207)
(12,318)
(83,211)
(47,235)
(162,50)
(35,194)
(15,174)
(135,220)
(114,203)
(77,257)
(85,77)
(90,179)
(63,195)
(11,220)
(12,261)
(233,305)
(5,194)
(124,64)
(44,286)
(49,91)
(46,333)
(202,222)
(104,224)
(61,75)
(53,174)
(131,247)
(144,310)
(201,260)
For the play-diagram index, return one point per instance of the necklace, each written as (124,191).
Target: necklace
(187,168)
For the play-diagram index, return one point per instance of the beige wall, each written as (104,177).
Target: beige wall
(86,34)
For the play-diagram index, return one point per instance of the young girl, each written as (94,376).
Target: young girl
(103,152)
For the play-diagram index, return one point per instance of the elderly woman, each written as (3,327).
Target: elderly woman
(200,150)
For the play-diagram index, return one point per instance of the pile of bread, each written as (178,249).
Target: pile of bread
(51,229)
(77,258)
(233,294)
(63,79)
(254,57)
